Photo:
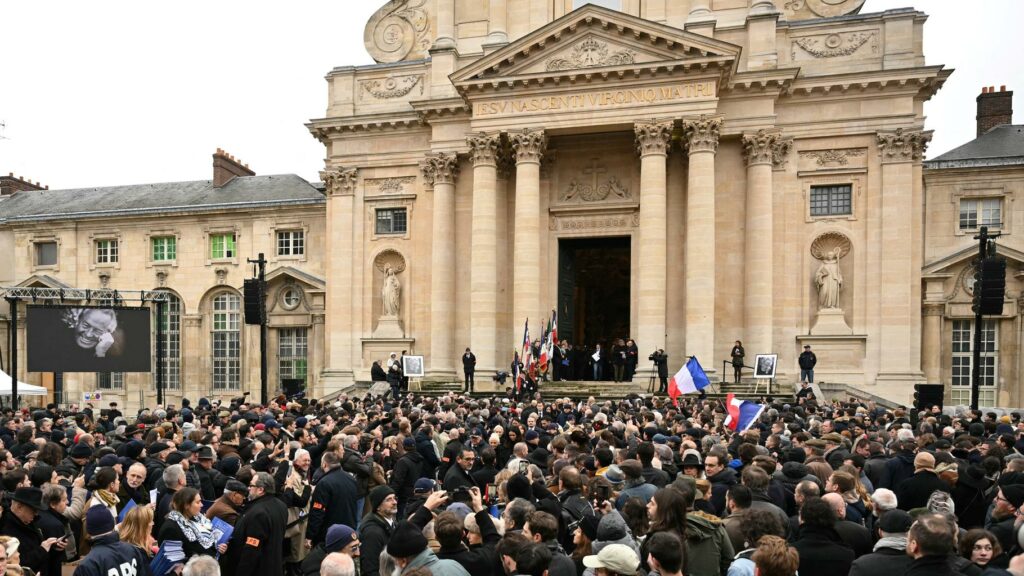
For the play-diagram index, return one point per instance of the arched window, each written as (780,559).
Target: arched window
(170,324)
(226,336)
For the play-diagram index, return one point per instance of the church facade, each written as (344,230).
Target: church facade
(683,173)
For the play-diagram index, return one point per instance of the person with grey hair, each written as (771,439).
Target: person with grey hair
(519,453)
(256,547)
(201,566)
(174,480)
(883,500)
(338,564)
(353,462)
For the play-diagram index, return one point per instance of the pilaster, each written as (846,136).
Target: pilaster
(483,274)
(441,169)
(758,260)
(340,359)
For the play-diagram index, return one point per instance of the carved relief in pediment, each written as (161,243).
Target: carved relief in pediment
(591,53)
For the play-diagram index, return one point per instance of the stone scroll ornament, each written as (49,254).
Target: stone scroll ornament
(399,31)
(391,264)
(828,249)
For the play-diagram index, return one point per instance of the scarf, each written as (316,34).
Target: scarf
(894,542)
(107,497)
(198,529)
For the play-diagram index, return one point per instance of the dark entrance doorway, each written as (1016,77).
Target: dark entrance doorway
(593,290)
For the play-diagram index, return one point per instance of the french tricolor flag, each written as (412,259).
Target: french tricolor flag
(742,413)
(690,378)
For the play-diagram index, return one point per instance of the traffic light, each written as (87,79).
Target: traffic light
(253,301)
(990,286)
(927,395)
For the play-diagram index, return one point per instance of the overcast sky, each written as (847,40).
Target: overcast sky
(125,92)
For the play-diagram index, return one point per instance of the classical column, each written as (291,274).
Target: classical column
(498,22)
(445,24)
(528,146)
(483,274)
(440,169)
(758,257)
(701,19)
(931,341)
(340,185)
(898,151)
(652,139)
(701,136)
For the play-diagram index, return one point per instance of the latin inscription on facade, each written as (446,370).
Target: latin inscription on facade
(598,99)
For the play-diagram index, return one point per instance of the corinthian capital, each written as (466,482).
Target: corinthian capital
(340,181)
(903,145)
(757,148)
(652,136)
(440,167)
(529,145)
(701,133)
(780,152)
(483,148)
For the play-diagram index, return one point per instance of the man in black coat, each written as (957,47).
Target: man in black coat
(425,446)
(209,477)
(822,553)
(334,500)
(890,555)
(469,367)
(722,478)
(458,475)
(931,541)
(408,469)
(898,468)
(353,462)
(375,532)
(256,547)
(915,491)
(19,521)
(108,555)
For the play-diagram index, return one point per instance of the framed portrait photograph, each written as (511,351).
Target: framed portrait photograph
(412,366)
(764,365)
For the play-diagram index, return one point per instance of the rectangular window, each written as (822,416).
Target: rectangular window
(226,335)
(291,243)
(165,248)
(831,200)
(978,212)
(292,351)
(110,380)
(222,246)
(46,253)
(106,251)
(391,221)
(963,339)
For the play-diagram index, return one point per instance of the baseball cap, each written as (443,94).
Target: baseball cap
(616,558)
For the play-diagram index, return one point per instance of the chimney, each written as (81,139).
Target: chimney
(226,167)
(10,184)
(994,108)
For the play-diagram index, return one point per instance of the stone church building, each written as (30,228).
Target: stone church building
(685,173)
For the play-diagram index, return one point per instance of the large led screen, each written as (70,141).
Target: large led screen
(88,339)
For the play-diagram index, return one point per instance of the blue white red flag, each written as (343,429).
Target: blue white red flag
(524,358)
(690,378)
(742,413)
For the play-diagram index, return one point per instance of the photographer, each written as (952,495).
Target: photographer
(660,360)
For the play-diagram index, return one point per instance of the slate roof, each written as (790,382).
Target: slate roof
(1000,146)
(169,197)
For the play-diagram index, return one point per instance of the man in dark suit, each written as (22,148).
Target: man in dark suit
(469,367)
(256,547)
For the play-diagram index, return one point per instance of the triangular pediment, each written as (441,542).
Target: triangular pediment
(596,40)
(289,274)
(43,281)
(952,262)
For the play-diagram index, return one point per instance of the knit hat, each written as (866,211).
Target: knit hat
(301,422)
(895,522)
(377,496)
(406,540)
(409,442)
(81,450)
(99,520)
(133,449)
(924,461)
(108,460)
(531,435)
(339,536)
(588,524)
(1014,494)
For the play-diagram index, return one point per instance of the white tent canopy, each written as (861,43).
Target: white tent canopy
(24,389)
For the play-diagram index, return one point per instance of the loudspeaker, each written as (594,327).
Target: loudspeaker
(990,286)
(928,395)
(253,301)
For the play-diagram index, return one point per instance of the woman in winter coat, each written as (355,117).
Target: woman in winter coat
(105,484)
(186,524)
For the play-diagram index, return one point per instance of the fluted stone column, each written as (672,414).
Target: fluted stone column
(340,185)
(528,146)
(701,136)
(758,255)
(652,139)
(483,274)
(898,152)
(440,169)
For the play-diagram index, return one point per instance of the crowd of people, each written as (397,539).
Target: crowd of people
(457,485)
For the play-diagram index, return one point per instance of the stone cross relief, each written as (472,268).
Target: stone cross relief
(595,191)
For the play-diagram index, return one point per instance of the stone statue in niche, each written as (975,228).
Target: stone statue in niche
(391,293)
(829,248)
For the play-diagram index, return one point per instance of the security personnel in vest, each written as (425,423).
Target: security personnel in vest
(109,556)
